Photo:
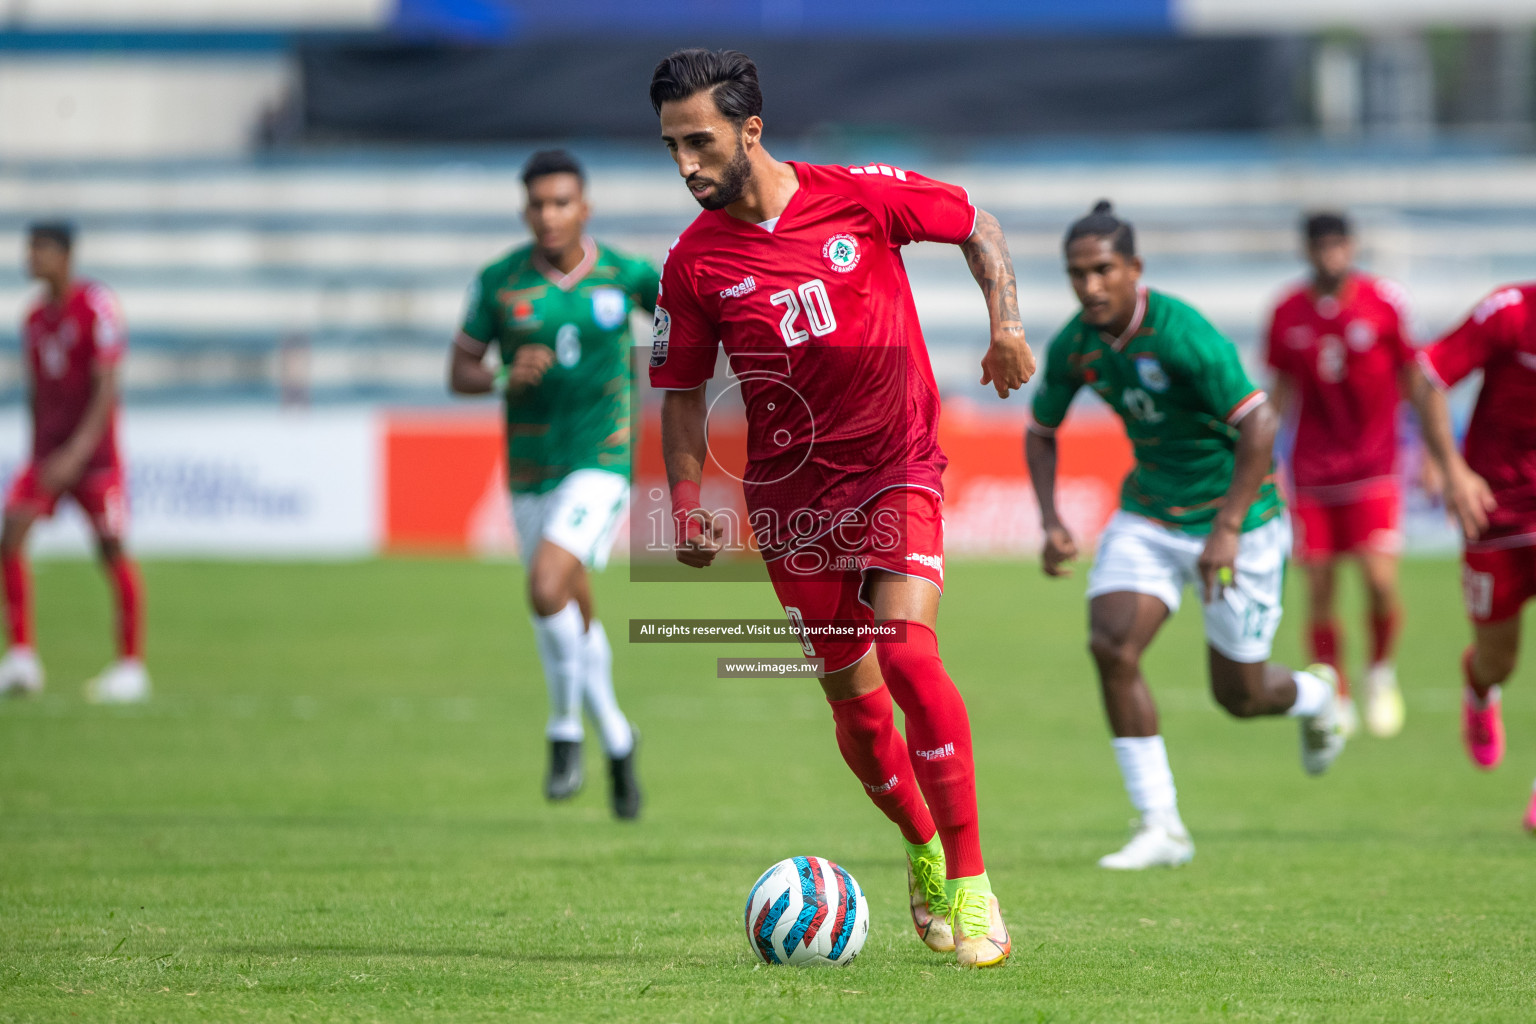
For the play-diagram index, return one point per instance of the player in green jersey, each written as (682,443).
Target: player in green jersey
(558,311)
(1198,508)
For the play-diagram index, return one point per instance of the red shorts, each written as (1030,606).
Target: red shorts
(900,531)
(1495,583)
(1372,522)
(99,493)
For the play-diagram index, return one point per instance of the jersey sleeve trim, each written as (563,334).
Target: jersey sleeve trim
(1246,406)
(1428,366)
(1040,429)
(464,336)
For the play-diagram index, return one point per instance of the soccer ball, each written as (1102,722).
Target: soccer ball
(808,912)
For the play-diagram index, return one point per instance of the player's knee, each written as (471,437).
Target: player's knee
(547,594)
(904,661)
(1115,656)
(915,675)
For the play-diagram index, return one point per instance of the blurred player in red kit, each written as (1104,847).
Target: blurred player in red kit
(1492,494)
(73,341)
(796,270)
(1340,349)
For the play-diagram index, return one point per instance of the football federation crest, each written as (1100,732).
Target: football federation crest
(841,253)
(661,334)
(608,307)
(1151,374)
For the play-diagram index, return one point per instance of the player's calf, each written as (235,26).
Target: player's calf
(1251,690)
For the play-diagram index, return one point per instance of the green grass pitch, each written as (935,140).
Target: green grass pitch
(331,812)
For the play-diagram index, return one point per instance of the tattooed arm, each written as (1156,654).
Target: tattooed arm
(1008,362)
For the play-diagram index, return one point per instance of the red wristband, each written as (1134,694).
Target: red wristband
(685,500)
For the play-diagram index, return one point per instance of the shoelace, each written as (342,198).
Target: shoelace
(929,874)
(971,914)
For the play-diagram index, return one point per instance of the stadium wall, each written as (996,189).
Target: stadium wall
(225,482)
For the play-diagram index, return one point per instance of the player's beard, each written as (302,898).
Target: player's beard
(732,183)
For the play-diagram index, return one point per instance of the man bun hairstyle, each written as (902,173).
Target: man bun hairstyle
(729,76)
(551,161)
(1101,222)
(60,232)
(1325,223)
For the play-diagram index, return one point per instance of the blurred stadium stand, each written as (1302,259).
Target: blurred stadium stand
(322,279)
(290,195)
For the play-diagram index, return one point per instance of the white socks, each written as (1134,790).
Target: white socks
(597,690)
(1495,695)
(1148,779)
(1312,695)
(562,650)
(578,666)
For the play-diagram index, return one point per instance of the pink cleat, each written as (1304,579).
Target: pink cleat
(1482,729)
(1530,815)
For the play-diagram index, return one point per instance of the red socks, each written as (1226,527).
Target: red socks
(939,741)
(1326,648)
(18,600)
(122,573)
(129,592)
(1384,635)
(873,748)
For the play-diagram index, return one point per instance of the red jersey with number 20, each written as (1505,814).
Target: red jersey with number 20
(64,344)
(819,327)
(1344,355)
(1499,338)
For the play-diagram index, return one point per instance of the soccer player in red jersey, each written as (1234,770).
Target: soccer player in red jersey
(73,340)
(1340,349)
(796,270)
(1492,493)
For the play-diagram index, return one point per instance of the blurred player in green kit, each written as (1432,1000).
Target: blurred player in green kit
(557,310)
(1199,508)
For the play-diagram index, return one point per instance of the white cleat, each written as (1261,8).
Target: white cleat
(1384,710)
(1159,842)
(1349,718)
(1322,734)
(21,674)
(123,682)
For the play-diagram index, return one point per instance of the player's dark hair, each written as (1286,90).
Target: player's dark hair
(1326,223)
(551,161)
(60,232)
(1101,222)
(729,76)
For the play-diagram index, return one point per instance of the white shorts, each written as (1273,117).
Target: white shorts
(1143,557)
(581,515)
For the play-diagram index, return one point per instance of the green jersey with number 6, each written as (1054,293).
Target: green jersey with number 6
(577,416)
(1180,389)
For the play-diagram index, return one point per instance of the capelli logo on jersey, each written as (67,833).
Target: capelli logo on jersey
(934,562)
(746,286)
(841,253)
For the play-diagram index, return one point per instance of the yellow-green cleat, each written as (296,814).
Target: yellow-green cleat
(981,937)
(930,906)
